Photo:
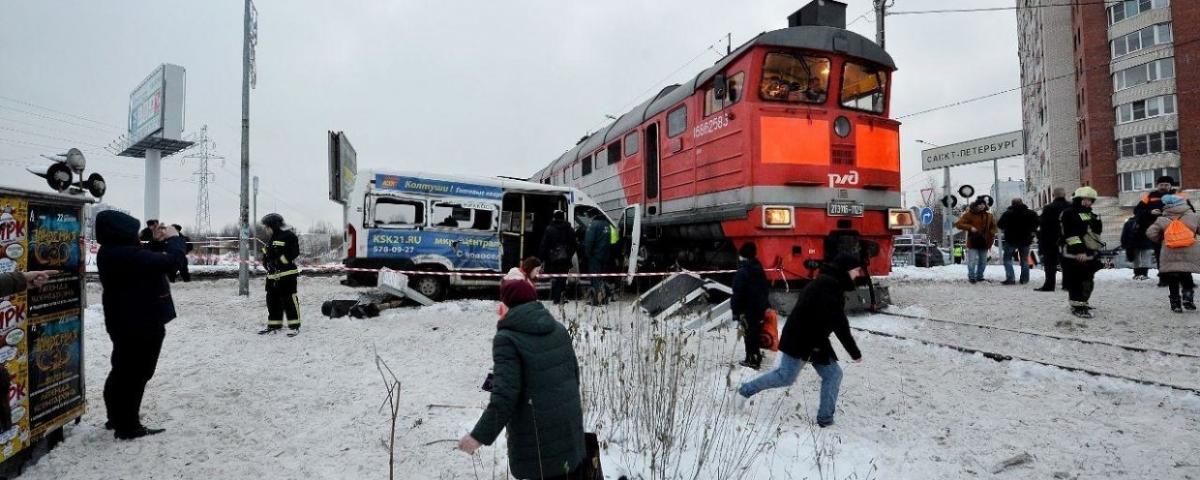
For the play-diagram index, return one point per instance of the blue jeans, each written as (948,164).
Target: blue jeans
(976,263)
(785,375)
(1009,249)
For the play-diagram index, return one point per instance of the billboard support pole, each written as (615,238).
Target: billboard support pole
(947,225)
(153,182)
(244,217)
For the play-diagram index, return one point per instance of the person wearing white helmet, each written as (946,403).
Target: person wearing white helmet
(1081,250)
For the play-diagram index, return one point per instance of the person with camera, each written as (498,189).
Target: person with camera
(137,306)
(279,258)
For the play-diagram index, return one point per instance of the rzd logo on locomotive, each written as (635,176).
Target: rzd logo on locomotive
(847,179)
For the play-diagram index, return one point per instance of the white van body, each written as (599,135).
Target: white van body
(450,223)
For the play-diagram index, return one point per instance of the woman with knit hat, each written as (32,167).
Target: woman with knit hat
(1180,254)
(535,390)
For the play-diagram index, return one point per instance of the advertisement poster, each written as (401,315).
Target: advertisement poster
(53,239)
(55,372)
(14,313)
(462,250)
(437,187)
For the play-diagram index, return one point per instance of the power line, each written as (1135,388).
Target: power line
(44,128)
(51,137)
(80,117)
(995,9)
(48,117)
(1031,84)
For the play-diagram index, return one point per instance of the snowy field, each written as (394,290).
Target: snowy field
(237,405)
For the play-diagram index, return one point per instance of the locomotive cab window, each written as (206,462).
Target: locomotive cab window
(735,85)
(794,78)
(863,87)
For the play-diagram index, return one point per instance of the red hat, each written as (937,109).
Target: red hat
(516,292)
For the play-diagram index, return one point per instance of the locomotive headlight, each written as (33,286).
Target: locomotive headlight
(841,127)
(778,217)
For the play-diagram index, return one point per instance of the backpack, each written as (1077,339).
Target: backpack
(1178,235)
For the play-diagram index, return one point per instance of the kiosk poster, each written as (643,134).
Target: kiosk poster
(14,314)
(55,372)
(54,233)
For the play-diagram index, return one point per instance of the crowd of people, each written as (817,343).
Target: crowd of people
(1161,234)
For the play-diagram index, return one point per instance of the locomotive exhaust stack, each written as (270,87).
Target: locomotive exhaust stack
(820,13)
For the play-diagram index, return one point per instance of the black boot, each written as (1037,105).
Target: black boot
(138,432)
(1081,312)
(753,362)
(1189,302)
(1175,307)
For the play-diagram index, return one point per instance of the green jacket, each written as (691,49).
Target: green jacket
(535,394)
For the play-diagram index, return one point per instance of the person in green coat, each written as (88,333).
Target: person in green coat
(535,391)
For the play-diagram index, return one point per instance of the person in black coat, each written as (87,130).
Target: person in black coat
(1019,225)
(137,306)
(749,302)
(1149,208)
(805,339)
(184,274)
(557,248)
(279,259)
(1049,233)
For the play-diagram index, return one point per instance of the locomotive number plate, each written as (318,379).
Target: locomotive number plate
(844,209)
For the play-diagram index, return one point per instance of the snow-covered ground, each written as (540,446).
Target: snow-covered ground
(237,405)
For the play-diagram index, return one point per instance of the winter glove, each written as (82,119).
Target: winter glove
(487,383)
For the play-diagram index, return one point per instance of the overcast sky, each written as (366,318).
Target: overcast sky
(482,87)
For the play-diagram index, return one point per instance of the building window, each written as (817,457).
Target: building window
(677,121)
(1148,108)
(1157,142)
(1144,73)
(1144,179)
(1132,8)
(1141,39)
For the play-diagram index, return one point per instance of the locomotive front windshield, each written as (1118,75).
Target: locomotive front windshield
(864,87)
(794,78)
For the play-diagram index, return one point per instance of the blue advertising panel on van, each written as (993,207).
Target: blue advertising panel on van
(436,187)
(462,250)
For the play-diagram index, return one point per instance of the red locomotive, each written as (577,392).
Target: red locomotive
(785,142)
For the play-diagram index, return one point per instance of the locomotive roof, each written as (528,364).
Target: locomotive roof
(820,38)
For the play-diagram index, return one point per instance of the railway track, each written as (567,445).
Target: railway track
(1004,357)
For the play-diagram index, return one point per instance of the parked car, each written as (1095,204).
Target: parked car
(919,255)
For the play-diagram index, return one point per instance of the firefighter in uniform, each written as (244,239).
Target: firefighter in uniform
(279,259)
(1081,230)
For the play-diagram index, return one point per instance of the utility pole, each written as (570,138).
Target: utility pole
(881,7)
(249,38)
(254,212)
(207,151)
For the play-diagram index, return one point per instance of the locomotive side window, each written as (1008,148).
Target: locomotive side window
(863,87)
(677,121)
(737,83)
(794,78)
(614,152)
(631,144)
(587,165)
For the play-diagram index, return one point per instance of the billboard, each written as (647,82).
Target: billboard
(343,167)
(156,105)
(1004,145)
